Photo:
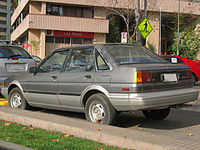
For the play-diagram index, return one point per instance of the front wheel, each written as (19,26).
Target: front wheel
(159,114)
(17,100)
(98,109)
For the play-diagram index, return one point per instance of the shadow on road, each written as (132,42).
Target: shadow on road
(177,119)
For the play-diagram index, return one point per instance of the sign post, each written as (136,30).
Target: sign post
(145,28)
(123,37)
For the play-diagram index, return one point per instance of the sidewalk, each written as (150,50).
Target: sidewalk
(109,135)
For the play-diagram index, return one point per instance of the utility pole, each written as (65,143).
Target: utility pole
(178,27)
(160,34)
(137,20)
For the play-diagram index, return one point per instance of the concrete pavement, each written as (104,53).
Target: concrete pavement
(110,135)
(11,146)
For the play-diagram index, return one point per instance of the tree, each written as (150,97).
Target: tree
(125,11)
(35,46)
(189,43)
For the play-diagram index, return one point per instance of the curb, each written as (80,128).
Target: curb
(3,102)
(109,135)
(11,146)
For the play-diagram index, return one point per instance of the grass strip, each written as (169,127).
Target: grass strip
(46,140)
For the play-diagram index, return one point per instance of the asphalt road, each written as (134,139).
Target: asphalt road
(182,123)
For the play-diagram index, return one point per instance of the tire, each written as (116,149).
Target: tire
(98,109)
(156,114)
(17,100)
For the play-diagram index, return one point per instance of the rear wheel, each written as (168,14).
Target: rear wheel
(159,114)
(17,100)
(98,109)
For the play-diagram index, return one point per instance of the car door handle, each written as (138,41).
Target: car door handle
(88,76)
(53,77)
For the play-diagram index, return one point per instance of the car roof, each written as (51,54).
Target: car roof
(95,45)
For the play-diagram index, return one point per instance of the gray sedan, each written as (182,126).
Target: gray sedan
(101,80)
(13,59)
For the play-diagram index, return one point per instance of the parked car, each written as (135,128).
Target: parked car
(101,80)
(13,59)
(37,59)
(194,65)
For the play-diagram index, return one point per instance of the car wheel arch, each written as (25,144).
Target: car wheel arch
(90,91)
(13,85)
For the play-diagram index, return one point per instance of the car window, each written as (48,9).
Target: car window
(80,60)
(133,54)
(13,52)
(101,64)
(54,63)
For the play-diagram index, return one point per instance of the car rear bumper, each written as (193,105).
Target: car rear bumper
(152,100)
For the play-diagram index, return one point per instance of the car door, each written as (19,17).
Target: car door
(42,86)
(77,75)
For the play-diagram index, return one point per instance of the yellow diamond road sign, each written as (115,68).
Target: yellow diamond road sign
(145,28)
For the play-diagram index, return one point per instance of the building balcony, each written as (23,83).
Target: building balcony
(168,6)
(63,23)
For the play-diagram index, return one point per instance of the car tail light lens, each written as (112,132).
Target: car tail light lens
(35,64)
(188,74)
(15,58)
(142,77)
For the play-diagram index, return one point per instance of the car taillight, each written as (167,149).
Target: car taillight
(15,58)
(188,74)
(142,77)
(35,64)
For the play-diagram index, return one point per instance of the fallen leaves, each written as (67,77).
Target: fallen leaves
(67,135)
(7,124)
(55,140)
(189,134)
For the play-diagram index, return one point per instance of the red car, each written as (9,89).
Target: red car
(194,65)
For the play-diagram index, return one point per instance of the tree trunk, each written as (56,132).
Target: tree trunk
(137,20)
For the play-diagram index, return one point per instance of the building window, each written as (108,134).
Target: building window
(76,41)
(87,41)
(49,39)
(54,10)
(69,11)
(2,29)
(2,22)
(67,40)
(59,39)
(3,7)
(3,14)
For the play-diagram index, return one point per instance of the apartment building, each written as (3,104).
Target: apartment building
(43,25)
(5,13)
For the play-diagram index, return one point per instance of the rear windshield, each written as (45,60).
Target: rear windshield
(13,52)
(133,54)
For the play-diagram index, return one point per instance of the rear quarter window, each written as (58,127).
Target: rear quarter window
(13,52)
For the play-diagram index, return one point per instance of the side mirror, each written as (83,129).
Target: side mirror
(33,70)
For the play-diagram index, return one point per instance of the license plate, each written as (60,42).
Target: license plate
(170,77)
(12,67)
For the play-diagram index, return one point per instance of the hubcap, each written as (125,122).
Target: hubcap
(96,112)
(16,100)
